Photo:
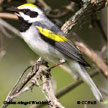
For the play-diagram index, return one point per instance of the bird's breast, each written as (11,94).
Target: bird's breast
(40,47)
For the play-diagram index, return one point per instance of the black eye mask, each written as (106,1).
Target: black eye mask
(30,13)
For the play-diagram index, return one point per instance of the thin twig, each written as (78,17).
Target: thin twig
(29,87)
(3,30)
(19,79)
(27,79)
(103,91)
(58,64)
(8,15)
(94,57)
(9,27)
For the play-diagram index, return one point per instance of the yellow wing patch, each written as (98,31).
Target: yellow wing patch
(24,5)
(49,34)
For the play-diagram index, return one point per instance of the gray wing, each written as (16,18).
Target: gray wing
(67,48)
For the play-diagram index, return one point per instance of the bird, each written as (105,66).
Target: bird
(47,40)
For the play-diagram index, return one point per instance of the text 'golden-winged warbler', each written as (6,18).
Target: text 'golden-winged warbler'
(49,42)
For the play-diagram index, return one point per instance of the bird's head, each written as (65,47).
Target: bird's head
(29,12)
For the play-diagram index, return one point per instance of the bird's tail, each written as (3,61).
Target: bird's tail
(92,85)
(86,78)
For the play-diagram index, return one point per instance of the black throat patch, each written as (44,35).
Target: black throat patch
(24,25)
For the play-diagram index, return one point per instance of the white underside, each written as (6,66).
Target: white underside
(40,47)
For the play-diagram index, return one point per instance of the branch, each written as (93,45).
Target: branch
(93,56)
(9,27)
(5,32)
(17,91)
(39,71)
(103,91)
(48,90)
(8,15)
(68,88)
(87,9)
(1,1)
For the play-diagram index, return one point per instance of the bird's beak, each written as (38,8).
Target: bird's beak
(13,9)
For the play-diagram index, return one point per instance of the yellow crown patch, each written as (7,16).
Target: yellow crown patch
(24,5)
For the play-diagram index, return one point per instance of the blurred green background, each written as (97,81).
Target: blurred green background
(18,56)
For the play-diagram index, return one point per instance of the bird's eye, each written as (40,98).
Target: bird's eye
(30,13)
(33,14)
